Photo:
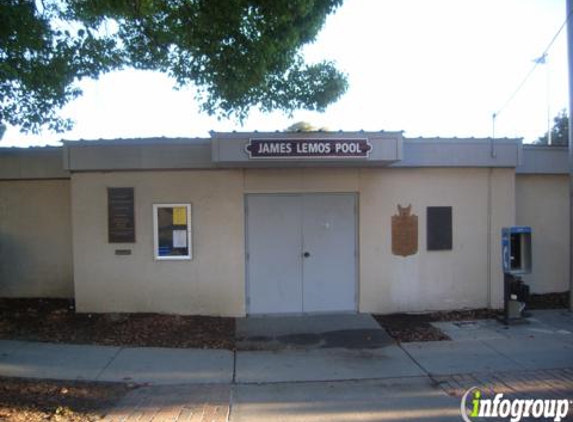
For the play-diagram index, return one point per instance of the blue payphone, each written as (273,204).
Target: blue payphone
(516,249)
(516,261)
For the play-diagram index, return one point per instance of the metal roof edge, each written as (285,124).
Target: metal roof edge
(31,149)
(138,141)
(311,134)
(544,159)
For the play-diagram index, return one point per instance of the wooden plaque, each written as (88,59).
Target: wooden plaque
(404,232)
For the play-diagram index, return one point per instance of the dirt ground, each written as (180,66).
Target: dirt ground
(59,401)
(417,327)
(56,321)
(549,301)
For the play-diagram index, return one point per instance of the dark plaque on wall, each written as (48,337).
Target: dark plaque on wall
(439,228)
(121,215)
(404,232)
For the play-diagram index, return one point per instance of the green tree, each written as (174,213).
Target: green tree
(238,53)
(559,131)
(303,126)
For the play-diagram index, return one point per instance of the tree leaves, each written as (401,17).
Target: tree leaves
(40,63)
(239,54)
(559,131)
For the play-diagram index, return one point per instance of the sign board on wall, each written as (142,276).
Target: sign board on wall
(307,148)
(121,215)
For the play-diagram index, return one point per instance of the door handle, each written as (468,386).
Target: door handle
(306,254)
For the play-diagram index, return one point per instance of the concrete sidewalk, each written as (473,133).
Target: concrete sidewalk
(348,331)
(118,364)
(486,346)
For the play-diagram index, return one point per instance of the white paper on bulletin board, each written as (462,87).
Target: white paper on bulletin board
(179,238)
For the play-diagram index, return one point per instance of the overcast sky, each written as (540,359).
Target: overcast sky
(429,68)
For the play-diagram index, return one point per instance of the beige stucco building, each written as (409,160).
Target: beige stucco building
(258,223)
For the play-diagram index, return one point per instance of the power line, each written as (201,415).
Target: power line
(540,60)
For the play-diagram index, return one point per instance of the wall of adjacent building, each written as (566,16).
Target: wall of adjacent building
(542,202)
(35,238)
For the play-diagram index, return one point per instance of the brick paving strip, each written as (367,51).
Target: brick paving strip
(546,384)
(528,384)
(174,403)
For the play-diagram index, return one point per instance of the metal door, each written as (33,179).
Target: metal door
(274,261)
(329,253)
(301,253)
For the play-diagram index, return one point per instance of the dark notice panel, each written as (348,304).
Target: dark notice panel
(439,228)
(121,218)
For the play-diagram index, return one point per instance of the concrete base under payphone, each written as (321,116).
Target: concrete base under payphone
(515,295)
(515,314)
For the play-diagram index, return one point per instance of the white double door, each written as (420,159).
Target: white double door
(301,253)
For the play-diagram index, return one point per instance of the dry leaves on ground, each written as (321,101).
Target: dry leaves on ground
(54,320)
(58,401)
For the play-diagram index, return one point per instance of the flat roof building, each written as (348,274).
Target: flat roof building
(247,223)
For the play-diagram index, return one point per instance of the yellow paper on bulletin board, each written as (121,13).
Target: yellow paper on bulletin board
(179,216)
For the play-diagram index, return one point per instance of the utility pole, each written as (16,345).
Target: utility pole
(548,98)
(570,57)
